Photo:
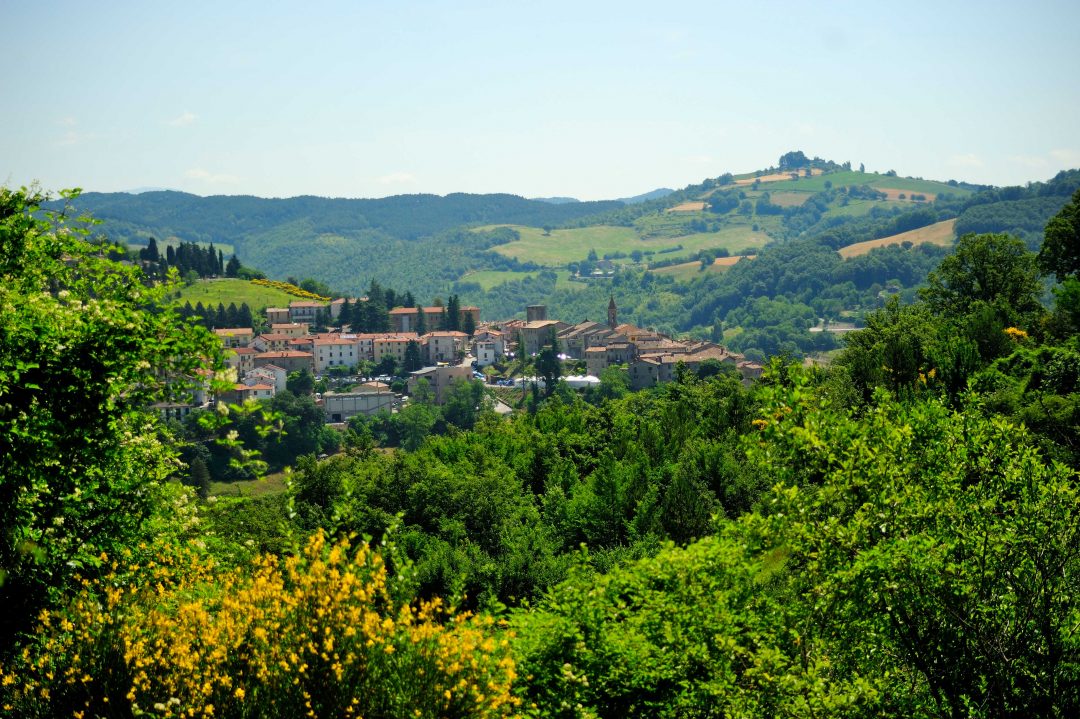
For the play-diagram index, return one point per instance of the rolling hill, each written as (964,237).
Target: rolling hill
(429,243)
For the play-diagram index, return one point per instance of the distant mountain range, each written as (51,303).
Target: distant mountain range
(654,195)
(557,200)
(644,197)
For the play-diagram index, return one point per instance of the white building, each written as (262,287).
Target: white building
(336,352)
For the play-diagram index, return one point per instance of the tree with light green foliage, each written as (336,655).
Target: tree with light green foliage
(86,349)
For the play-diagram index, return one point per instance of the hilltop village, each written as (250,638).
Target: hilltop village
(409,354)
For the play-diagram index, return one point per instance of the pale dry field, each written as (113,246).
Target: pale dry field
(939,233)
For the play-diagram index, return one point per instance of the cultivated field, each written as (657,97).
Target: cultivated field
(939,233)
(687,271)
(573,245)
(929,188)
(775,177)
(894,194)
(227,291)
(688,207)
(789,199)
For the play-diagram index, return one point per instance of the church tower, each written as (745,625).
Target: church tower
(612,313)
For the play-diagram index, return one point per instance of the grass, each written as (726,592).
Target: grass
(269,485)
(857,208)
(939,233)
(227,291)
(565,283)
(573,245)
(488,279)
(564,246)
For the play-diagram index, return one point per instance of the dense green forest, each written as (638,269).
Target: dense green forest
(895,535)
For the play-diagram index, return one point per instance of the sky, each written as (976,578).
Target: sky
(593,100)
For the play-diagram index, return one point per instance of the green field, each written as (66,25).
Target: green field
(227,291)
(857,208)
(269,485)
(817,183)
(573,245)
(565,283)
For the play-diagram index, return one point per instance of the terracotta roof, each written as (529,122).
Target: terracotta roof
(307,303)
(283,355)
(244,350)
(333,341)
(234,331)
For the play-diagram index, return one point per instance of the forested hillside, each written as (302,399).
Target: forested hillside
(344,242)
(895,535)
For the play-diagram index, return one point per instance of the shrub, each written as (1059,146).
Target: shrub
(317,633)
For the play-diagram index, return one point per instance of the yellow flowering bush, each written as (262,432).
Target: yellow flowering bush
(291,289)
(1016,334)
(315,634)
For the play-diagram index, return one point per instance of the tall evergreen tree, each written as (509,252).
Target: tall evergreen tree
(151,252)
(453,313)
(233,268)
(245,319)
(345,314)
(412,359)
(421,323)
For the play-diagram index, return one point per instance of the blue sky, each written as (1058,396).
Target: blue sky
(588,99)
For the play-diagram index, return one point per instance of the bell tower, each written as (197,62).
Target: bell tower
(612,313)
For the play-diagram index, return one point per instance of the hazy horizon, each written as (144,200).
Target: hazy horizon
(593,102)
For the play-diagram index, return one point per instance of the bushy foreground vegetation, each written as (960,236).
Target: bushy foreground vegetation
(894,536)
